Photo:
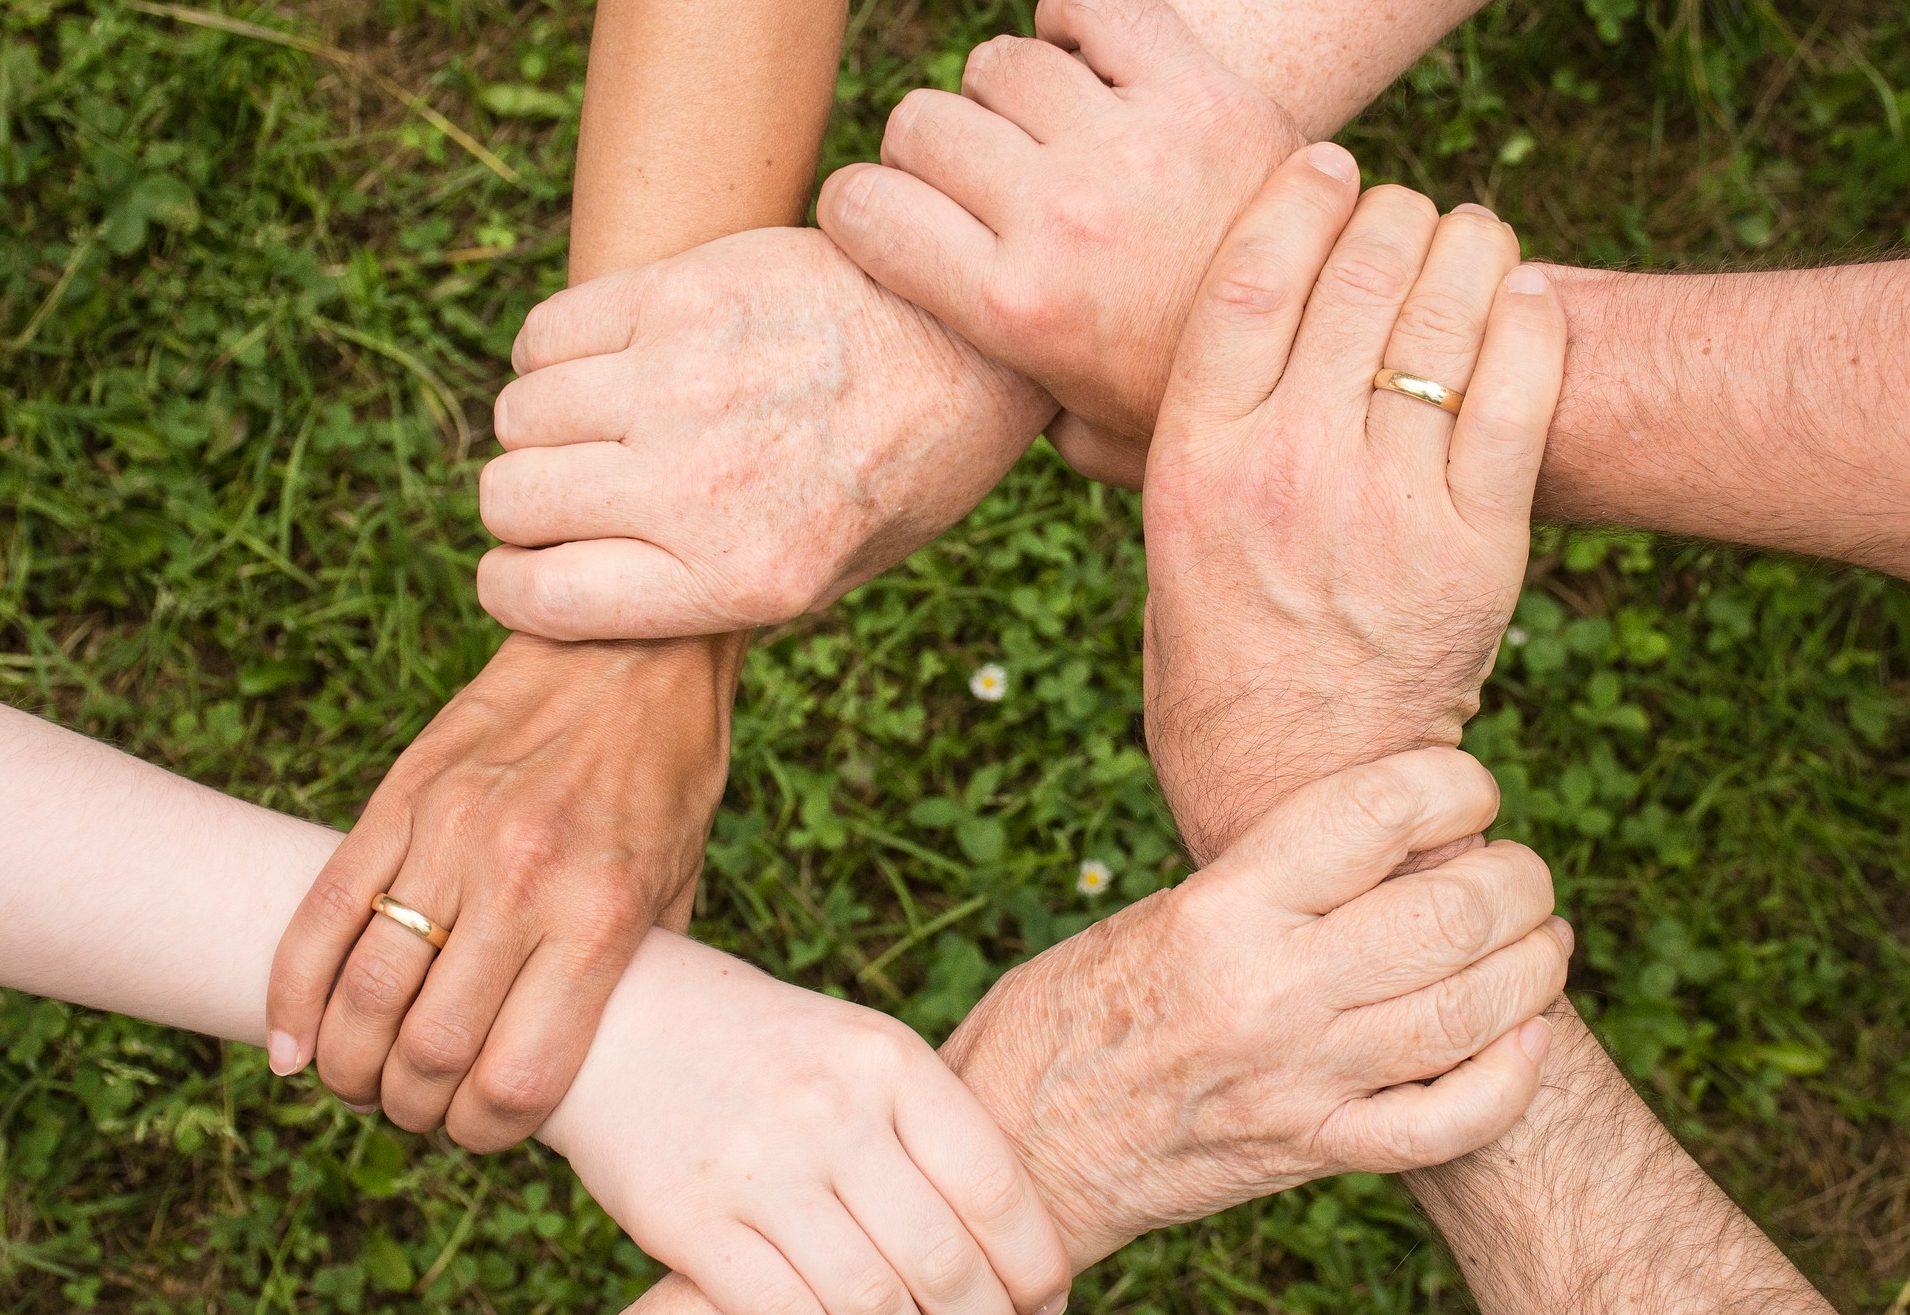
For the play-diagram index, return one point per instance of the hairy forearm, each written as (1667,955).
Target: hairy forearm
(1757,408)
(1591,1206)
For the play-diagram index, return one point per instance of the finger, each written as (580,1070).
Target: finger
(538,1042)
(1238,336)
(588,320)
(832,1254)
(1097,454)
(1416,930)
(1125,42)
(1034,85)
(1455,1018)
(547,495)
(1499,441)
(969,154)
(964,1155)
(380,980)
(1338,837)
(1438,333)
(920,1236)
(603,589)
(1416,1127)
(911,239)
(1350,312)
(740,1271)
(577,401)
(444,1030)
(326,925)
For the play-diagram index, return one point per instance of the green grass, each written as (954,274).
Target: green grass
(252,309)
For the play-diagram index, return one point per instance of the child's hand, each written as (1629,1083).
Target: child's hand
(1059,213)
(794,1153)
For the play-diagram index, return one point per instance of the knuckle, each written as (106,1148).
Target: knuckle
(988,59)
(949,1265)
(374,986)
(1368,273)
(1381,798)
(531,346)
(995,1190)
(784,1300)
(1025,307)
(438,1049)
(525,846)
(1250,278)
(335,902)
(1462,916)
(906,119)
(1404,204)
(875,1293)
(1452,1022)
(517,1092)
(1437,317)
(1080,215)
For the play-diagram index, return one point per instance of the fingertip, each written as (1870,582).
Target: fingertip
(1333,160)
(1527,280)
(285,1054)
(1535,1039)
(847,199)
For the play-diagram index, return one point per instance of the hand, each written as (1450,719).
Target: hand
(1061,223)
(1270,1020)
(549,815)
(732,438)
(795,1153)
(1330,566)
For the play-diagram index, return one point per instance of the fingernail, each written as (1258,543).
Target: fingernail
(1535,1038)
(1528,280)
(1334,161)
(1562,929)
(1469,208)
(359,1109)
(281,1053)
(1054,1305)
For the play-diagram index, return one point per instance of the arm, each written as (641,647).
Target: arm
(1675,416)
(123,887)
(169,896)
(594,770)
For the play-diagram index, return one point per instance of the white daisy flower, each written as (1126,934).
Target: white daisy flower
(989,683)
(1516,636)
(1094,878)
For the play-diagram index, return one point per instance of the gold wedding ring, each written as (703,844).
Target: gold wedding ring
(411,920)
(1420,390)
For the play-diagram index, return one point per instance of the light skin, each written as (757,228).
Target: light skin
(1029,228)
(1283,1056)
(558,807)
(1635,441)
(1550,1218)
(1258,389)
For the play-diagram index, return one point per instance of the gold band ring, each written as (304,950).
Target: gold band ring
(1420,390)
(411,920)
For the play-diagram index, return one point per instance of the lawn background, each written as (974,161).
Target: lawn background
(255,296)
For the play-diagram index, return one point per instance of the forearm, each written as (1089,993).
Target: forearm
(1322,61)
(1590,1205)
(698,121)
(1755,408)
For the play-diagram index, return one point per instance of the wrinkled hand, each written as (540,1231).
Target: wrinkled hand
(1271,1020)
(795,1153)
(1330,566)
(1060,212)
(731,438)
(549,815)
